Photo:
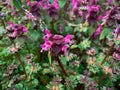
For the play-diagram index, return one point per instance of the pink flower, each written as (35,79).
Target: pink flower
(56,44)
(64,49)
(98,31)
(116,32)
(107,70)
(56,4)
(109,14)
(48,34)
(92,13)
(16,30)
(80,12)
(116,56)
(11,24)
(75,3)
(28,2)
(46,46)
(68,39)
(25,29)
(100,17)
(93,2)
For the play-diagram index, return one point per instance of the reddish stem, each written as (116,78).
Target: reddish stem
(111,48)
(61,66)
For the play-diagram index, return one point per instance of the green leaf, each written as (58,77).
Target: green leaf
(17,4)
(51,1)
(91,30)
(74,46)
(104,33)
(64,60)
(62,3)
(35,35)
(68,29)
(42,87)
(19,86)
(49,57)
(35,82)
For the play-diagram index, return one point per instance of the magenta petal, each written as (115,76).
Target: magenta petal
(64,49)
(68,38)
(43,46)
(48,34)
(57,37)
(11,24)
(28,2)
(116,56)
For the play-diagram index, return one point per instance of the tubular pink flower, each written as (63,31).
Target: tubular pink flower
(56,4)
(11,24)
(100,17)
(48,34)
(46,46)
(64,49)
(75,3)
(28,2)
(43,46)
(98,31)
(68,39)
(56,44)
(16,30)
(116,56)
(80,12)
(25,29)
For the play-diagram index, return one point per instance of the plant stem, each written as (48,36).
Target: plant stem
(27,47)
(104,76)
(61,66)
(111,63)
(111,48)
(3,22)
(20,61)
(101,79)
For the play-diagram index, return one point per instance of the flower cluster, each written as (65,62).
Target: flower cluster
(52,9)
(98,31)
(76,4)
(57,44)
(16,30)
(116,32)
(34,7)
(92,14)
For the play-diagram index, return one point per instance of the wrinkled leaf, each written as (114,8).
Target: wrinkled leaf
(104,33)
(62,3)
(17,4)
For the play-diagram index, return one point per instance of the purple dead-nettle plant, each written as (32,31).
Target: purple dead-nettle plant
(10,6)
(76,4)
(116,32)
(98,31)
(117,48)
(16,30)
(92,14)
(116,54)
(78,8)
(34,7)
(110,16)
(56,44)
(93,2)
(52,9)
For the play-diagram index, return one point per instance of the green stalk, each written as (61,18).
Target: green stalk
(21,63)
